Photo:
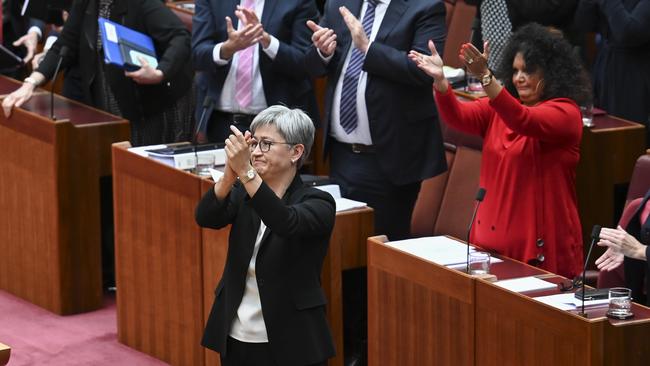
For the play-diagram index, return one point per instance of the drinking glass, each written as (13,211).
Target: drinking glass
(479,263)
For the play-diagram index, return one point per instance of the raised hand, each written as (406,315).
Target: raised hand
(610,260)
(323,38)
(431,65)
(475,62)
(248,16)
(359,37)
(241,39)
(238,153)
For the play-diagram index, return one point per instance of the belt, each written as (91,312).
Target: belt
(358,148)
(238,118)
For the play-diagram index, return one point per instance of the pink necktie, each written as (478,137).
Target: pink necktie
(244,75)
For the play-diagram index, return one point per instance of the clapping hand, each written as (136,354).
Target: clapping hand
(359,37)
(238,153)
(431,65)
(475,62)
(248,16)
(324,39)
(238,40)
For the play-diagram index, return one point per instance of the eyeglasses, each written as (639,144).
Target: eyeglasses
(265,145)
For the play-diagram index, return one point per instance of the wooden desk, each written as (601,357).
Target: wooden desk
(50,234)
(5,354)
(184,10)
(421,313)
(167,267)
(607,156)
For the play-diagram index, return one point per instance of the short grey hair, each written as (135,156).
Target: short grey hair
(293,125)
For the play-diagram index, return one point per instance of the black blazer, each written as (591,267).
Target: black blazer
(285,79)
(171,40)
(399,98)
(288,267)
(17,25)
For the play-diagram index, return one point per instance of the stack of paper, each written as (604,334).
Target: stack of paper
(342,204)
(568,301)
(524,284)
(438,249)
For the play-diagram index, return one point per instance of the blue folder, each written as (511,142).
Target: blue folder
(122,46)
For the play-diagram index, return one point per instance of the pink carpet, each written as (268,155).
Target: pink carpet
(38,337)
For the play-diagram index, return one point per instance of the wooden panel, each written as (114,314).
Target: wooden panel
(418,313)
(49,194)
(158,259)
(5,354)
(514,330)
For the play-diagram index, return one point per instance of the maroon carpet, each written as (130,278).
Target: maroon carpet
(38,337)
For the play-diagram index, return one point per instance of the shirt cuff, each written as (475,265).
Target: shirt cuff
(327,59)
(49,42)
(273,48)
(216,55)
(37,30)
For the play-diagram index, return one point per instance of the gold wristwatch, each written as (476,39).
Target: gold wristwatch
(486,79)
(250,175)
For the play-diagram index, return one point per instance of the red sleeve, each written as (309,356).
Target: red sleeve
(556,121)
(469,117)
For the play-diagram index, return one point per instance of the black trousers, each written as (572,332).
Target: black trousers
(360,178)
(251,354)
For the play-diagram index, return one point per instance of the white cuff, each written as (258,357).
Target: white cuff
(216,55)
(273,48)
(37,30)
(49,42)
(327,59)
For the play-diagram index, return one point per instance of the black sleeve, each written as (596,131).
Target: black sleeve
(215,214)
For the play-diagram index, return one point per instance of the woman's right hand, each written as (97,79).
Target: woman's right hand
(431,65)
(17,98)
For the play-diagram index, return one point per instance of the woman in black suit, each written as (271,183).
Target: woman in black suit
(157,102)
(270,307)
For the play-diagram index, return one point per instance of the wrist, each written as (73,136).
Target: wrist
(266,40)
(247,175)
(226,51)
(31,81)
(641,252)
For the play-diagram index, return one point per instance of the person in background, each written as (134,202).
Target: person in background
(531,129)
(20,34)
(157,102)
(630,246)
(621,76)
(269,307)
(248,55)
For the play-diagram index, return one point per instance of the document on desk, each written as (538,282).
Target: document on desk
(568,301)
(342,203)
(525,284)
(438,249)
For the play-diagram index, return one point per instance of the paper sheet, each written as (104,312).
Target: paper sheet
(524,284)
(568,301)
(438,249)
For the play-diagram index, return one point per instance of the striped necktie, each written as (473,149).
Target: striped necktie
(348,116)
(244,72)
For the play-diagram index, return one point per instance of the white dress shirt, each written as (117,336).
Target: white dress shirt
(227,101)
(249,325)
(361,135)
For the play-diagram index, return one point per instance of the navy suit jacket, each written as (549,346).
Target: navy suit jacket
(285,79)
(399,98)
(288,267)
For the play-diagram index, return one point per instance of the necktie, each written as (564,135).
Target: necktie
(496,28)
(244,73)
(348,116)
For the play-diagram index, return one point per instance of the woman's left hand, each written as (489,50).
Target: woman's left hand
(620,241)
(475,62)
(238,152)
(610,260)
(146,75)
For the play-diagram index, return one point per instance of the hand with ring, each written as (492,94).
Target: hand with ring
(475,62)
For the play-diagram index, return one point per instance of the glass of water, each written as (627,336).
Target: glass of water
(587,112)
(479,263)
(620,303)
(204,162)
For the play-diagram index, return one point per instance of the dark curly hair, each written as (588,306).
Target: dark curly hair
(549,52)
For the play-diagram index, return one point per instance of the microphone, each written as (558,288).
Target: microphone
(480,194)
(200,128)
(595,235)
(63,52)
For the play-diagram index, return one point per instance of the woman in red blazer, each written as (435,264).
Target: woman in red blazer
(531,128)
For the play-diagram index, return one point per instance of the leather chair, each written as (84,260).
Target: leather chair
(459,31)
(639,185)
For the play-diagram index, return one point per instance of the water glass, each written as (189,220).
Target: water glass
(479,263)
(587,112)
(204,163)
(620,303)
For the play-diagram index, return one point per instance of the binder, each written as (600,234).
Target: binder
(122,46)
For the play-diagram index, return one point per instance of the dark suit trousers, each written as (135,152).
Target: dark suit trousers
(251,354)
(360,178)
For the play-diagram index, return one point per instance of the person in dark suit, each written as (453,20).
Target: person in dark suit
(380,119)
(271,38)
(20,31)
(269,307)
(157,102)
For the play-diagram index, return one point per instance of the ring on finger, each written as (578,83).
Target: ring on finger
(469,61)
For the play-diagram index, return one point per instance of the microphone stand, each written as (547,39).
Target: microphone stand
(480,194)
(62,53)
(595,235)
(208,104)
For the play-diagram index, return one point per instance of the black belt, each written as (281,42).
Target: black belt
(358,148)
(237,118)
